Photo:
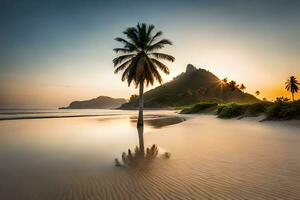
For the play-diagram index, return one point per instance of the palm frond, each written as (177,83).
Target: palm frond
(163,56)
(125,74)
(123,50)
(148,74)
(153,69)
(132,35)
(144,37)
(161,66)
(120,59)
(150,29)
(122,66)
(127,44)
(158,45)
(132,71)
(157,35)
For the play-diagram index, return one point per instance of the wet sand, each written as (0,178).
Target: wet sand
(211,158)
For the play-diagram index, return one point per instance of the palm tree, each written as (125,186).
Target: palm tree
(257,92)
(139,59)
(225,80)
(242,87)
(292,85)
(232,85)
(133,97)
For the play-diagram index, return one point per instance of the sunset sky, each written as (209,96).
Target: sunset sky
(54,52)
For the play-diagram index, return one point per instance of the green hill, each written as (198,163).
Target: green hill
(190,87)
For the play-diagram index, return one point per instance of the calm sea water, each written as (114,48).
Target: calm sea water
(47,113)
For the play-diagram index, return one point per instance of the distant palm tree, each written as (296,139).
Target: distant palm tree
(257,92)
(232,85)
(140,60)
(242,87)
(133,97)
(292,85)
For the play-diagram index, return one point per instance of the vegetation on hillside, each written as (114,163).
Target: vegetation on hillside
(232,110)
(281,109)
(200,108)
(191,87)
(284,110)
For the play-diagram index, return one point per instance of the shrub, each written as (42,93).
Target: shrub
(284,110)
(280,109)
(230,110)
(252,110)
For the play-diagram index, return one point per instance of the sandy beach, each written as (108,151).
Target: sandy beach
(72,158)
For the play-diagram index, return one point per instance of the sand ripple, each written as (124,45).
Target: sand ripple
(165,179)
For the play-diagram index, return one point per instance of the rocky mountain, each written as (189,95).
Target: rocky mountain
(101,102)
(189,87)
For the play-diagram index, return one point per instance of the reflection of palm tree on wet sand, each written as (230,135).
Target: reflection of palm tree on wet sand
(136,158)
(140,62)
(141,138)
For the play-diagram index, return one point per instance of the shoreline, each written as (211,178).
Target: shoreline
(184,117)
(53,117)
(147,117)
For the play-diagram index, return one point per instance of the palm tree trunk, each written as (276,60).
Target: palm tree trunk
(140,121)
(293,96)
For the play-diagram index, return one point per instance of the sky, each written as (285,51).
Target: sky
(54,52)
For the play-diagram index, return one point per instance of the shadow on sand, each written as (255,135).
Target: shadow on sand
(158,121)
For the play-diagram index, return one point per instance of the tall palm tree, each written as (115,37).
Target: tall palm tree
(292,85)
(242,87)
(139,59)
